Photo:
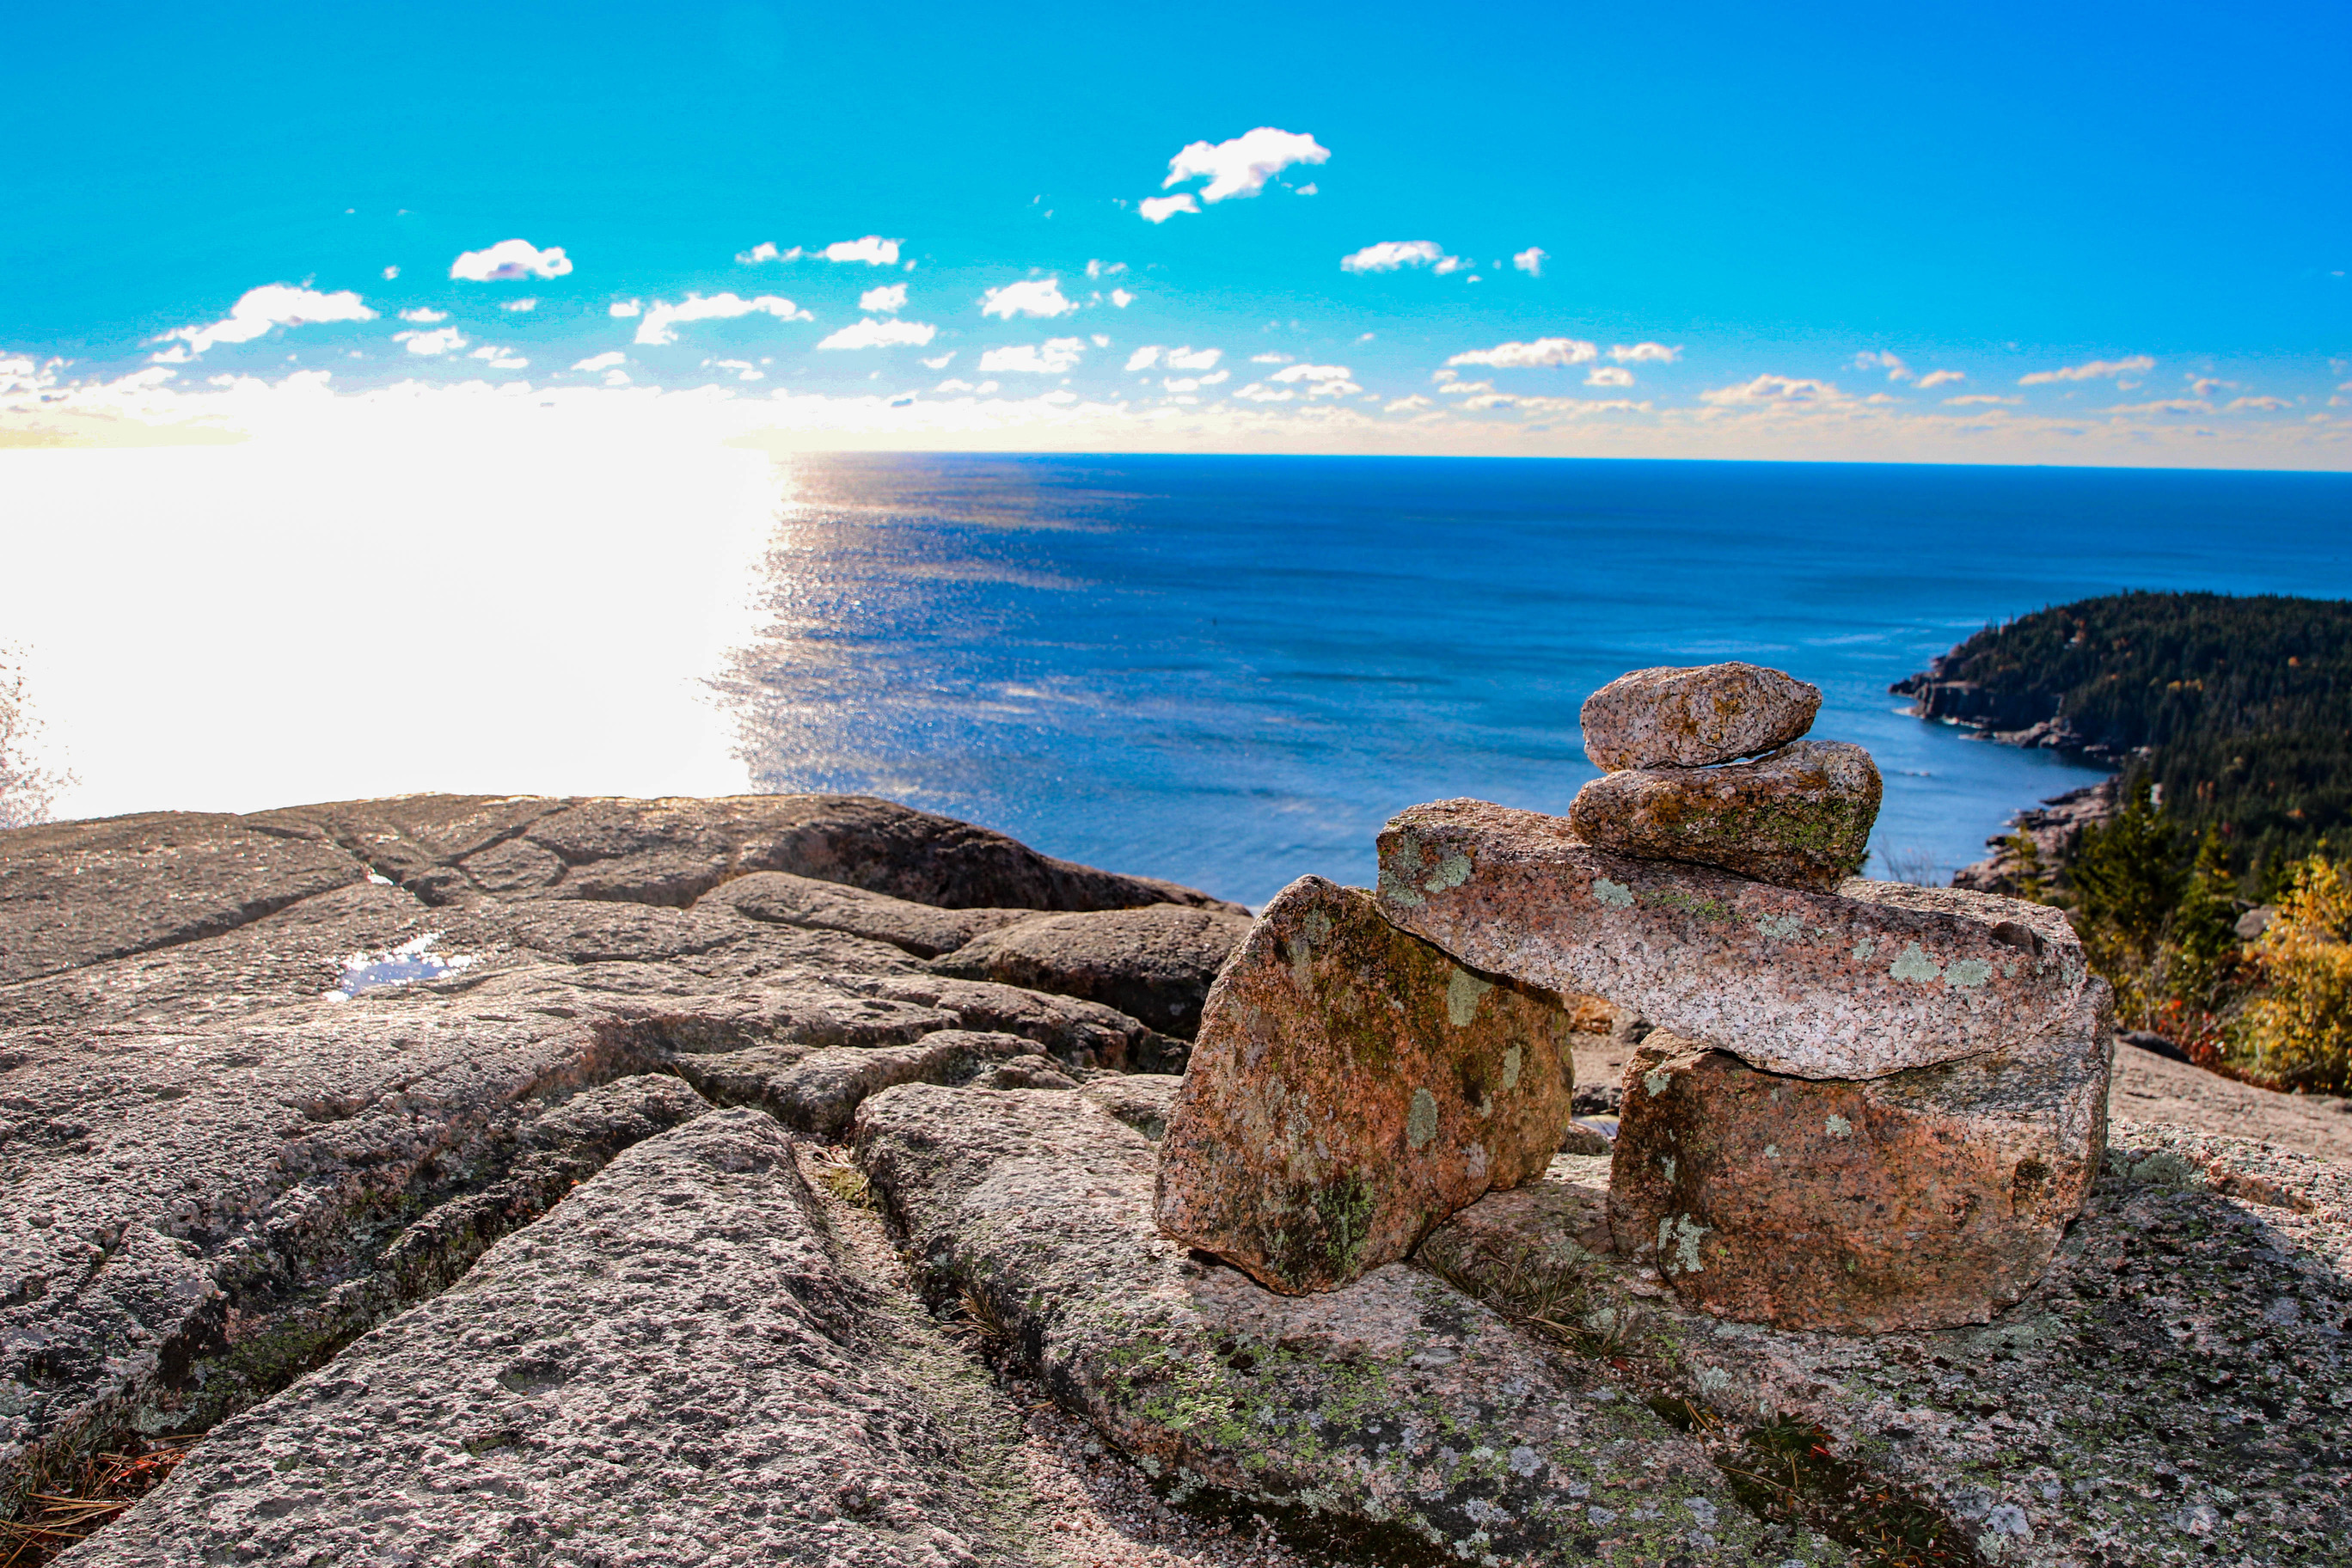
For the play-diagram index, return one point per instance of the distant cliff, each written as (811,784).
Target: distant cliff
(2237,710)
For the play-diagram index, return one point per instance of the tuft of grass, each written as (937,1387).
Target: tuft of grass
(838,1174)
(61,1511)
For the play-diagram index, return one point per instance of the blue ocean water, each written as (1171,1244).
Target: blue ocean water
(1231,670)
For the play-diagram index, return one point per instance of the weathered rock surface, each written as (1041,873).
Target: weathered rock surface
(1801,817)
(1353,1086)
(670,1368)
(1873,979)
(816,1091)
(1921,1200)
(1694,716)
(2172,1391)
(1155,964)
(1394,1400)
(218,1177)
(922,929)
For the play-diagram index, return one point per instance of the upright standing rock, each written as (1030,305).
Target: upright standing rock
(1695,717)
(1352,1087)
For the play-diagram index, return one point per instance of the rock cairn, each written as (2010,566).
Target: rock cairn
(1866,1105)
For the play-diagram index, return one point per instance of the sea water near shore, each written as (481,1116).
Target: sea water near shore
(1230,670)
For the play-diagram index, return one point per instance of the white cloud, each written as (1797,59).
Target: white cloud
(941,361)
(1037,297)
(1323,380)
(874,250)
(390,273)
(501,358)
(1105,269)
(1527,356)
(423,315)
(1406,404)
(1185,358)
(744,369)
(1391,253)
(1778,391)
(1121,298)
(604,360)
(440,341)
(889,297)
(2261,405)
(1144,358)
(617,378)
(660,323)
(1270,359)
(766,251)
(1309,189)
(509,260)
(1869,359)
(1452,387)
(1160,209)
(1258,392)
(258,310)
(1242,166)
(1969,399)
(1530,260)
(1935,378)
(1051,357)
(1194,383)
(872,334)
(2097,370)
(1100,340)
(1609,375)
(519,305)
(2165,406)
(1641,353)
(625,308)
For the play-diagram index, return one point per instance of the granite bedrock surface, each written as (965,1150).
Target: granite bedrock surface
(250,1208)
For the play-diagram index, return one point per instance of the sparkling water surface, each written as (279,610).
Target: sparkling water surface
(1230,671)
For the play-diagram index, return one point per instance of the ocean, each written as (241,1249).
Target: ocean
(1229,671)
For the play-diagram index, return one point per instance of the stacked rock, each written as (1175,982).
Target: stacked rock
(1867,1106)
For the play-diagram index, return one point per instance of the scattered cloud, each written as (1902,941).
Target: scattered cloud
(1309,189)
(1321,380)
(1454,386)
(888,297)
(2255,405)
(1609,375)
(1270,359)
(440,341)
(1194,383)
(1406,404)
(2097,370)
(1100,341)
(603,361)
(501,358)
(1527,356)
(1034,297)
(1052,357)
(1641,353)
(625,308)
(874,250)
(941,362)
(2165,406)
(1185,358)
(509,261)
(1121,298)
(1531,261)
(1105,269)
(258,310)
(1242,166)
(1778,392)
(870,334)
(1391,253)
(423,315)
(744,369)
(519,305)
(1258,392)
(661,319)
(1968,400)
(766,251)
(1935,378)
(390,273)
(1160,209)
(1874,360)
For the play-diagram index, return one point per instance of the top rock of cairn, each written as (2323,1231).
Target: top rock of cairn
(1695,717)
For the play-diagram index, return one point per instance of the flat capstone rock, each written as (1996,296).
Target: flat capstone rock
(1351,1087)
(1873,979)
(1799,817)
(1694,716)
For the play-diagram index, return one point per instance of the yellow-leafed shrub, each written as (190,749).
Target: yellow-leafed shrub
(2297,1033)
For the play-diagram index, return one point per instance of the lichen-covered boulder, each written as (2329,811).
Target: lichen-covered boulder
(1353,1086)
(1694,716)
(1921,1200)
(1801,817)
(1873,979)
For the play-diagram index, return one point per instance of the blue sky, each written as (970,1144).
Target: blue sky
(2121,232)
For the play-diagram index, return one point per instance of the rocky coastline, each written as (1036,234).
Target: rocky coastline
(508,1180)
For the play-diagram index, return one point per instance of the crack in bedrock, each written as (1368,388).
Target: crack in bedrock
(325,1263)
